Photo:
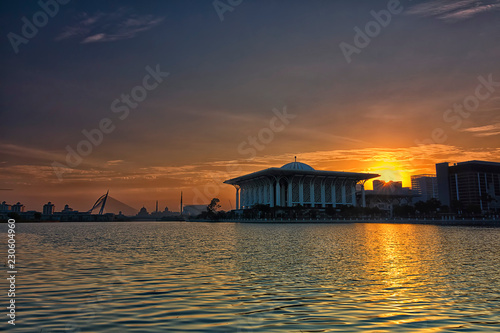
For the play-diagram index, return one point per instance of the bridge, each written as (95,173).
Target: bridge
(107,203)
(101,202)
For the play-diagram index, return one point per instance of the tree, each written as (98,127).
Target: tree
(261,211)
(403,210)
(212,208)
(14,215)
(457,206)
(214,205)
(430,207)
(330,211)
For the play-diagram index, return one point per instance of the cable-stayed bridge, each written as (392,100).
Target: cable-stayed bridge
(108,204)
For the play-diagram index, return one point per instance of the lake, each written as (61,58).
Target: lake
(235,277)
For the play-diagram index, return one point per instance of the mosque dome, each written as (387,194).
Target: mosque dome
(297,166)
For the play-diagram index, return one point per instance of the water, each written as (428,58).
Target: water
(228,277)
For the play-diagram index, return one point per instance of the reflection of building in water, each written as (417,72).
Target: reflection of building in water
(298,184)
(425,186)
(472,183)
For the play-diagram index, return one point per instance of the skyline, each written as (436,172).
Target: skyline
(424,90)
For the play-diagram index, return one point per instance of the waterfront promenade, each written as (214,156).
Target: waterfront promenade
(456,222)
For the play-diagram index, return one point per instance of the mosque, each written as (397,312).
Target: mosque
(296,184)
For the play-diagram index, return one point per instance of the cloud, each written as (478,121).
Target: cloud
(108,27)
(94,38)
(482,131)
(31,153)
(36,180)
(114,162)
(452,11)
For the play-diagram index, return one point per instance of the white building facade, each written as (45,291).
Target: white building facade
(298,184)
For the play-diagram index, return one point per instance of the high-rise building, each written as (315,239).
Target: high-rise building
(425,186)
(18,208)
(390,187)
(48,208)
(472,183)
(5,207)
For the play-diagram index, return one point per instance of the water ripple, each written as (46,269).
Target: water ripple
(200,277)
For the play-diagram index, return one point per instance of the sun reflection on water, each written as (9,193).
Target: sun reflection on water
(189,277)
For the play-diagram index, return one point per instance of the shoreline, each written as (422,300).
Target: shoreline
(464,222)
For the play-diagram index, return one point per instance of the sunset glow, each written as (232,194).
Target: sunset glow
(218,99)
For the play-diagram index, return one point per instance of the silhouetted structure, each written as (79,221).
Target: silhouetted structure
(17,208)
(297,184)
(194,210)
(5,207)
(386,195)
(143,212)
(469,184)
(48,208)
(425,186)
(101,202)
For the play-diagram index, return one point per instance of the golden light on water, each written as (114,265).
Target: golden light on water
(399,262)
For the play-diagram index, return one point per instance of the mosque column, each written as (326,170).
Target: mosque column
(271,194)
(255,197)
(261,193)
(250,196)
(265,189)
(278,193)
(363,196)
(242,197)
(289,194)
(313,200)
(301,191)
(334,193)
(323,193)
(344,199)
(353,194)
(237,198)
(247,196)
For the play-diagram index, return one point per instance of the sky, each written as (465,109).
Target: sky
(148,99)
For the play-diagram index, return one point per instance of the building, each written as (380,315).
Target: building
(143,212)
(385,195)
(298,184)
(18,208)
(193,210)
(425,186)
(48,208)
(469,184)
(390,187)
(5,207)
(68,210)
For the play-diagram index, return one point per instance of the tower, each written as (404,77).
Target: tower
(181,202)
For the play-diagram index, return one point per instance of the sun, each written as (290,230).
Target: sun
(393,170)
